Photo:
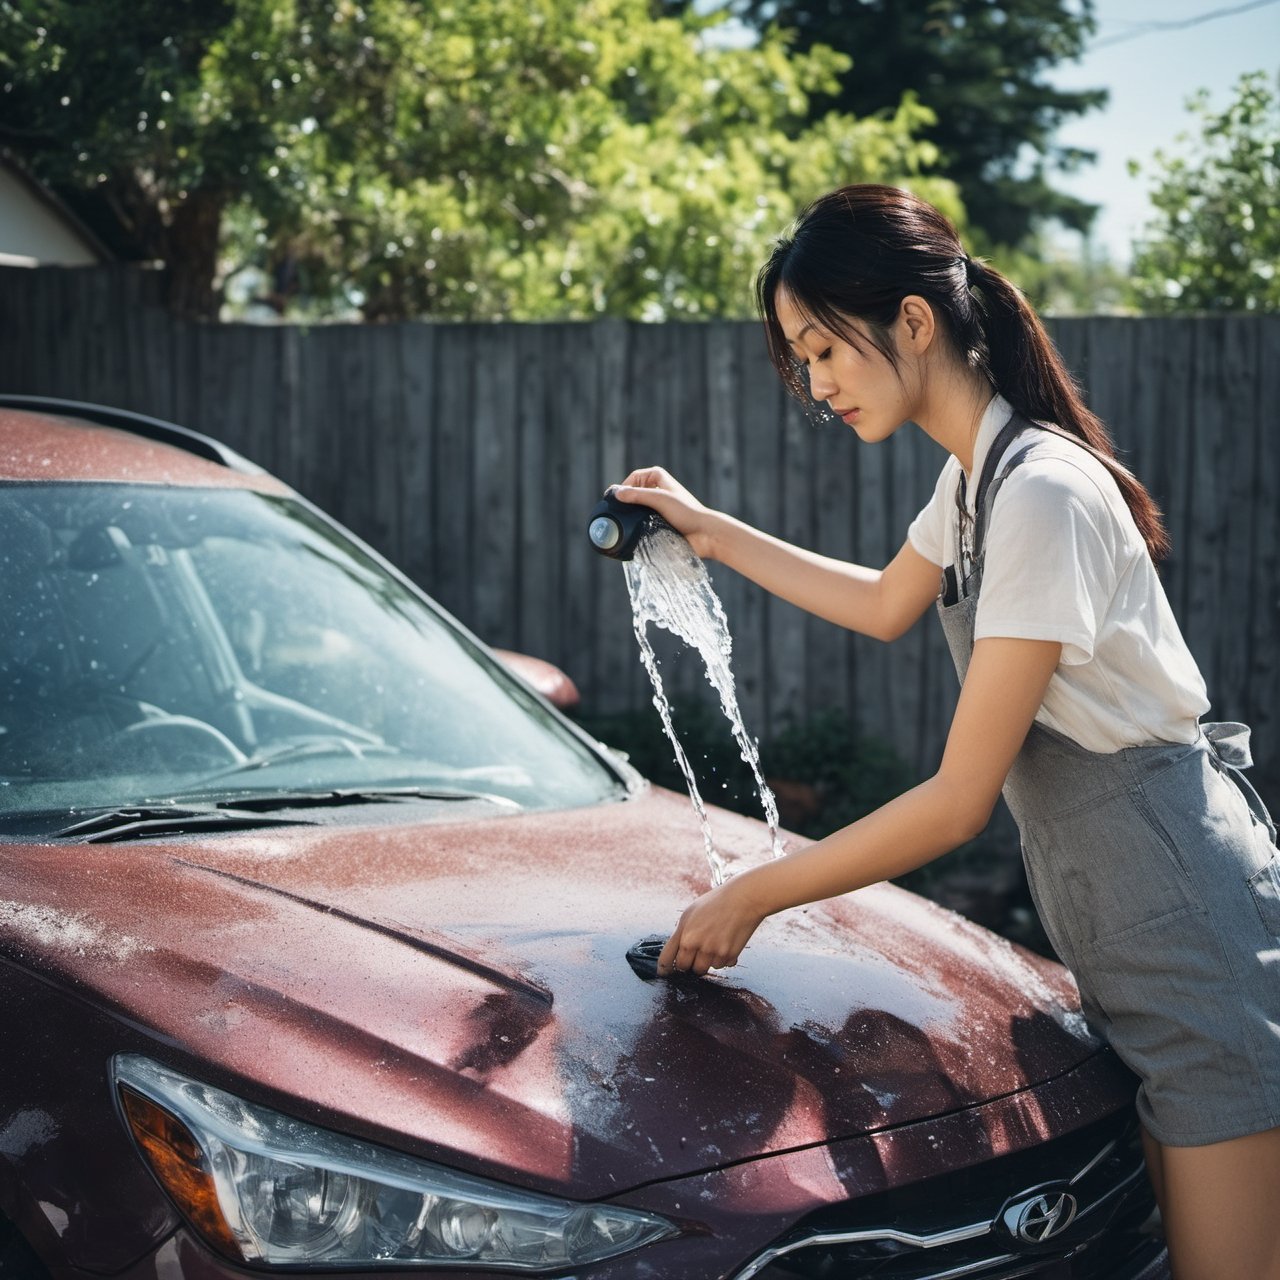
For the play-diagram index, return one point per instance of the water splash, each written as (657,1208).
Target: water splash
(669,587)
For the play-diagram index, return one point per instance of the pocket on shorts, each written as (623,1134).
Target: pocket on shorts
(1132,935)
(1107,871)
(1264,884)
(1162,972)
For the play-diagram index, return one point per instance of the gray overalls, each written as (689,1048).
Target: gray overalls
(1155,873)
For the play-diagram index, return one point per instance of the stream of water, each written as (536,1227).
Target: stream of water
(669,587)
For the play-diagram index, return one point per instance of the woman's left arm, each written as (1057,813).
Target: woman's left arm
(1002,692)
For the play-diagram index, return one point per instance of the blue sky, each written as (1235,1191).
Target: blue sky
(1150,73)
(1151,64)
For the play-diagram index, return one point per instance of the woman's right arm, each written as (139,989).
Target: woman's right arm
(882,603)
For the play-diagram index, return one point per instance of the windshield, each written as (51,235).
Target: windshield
(162,643)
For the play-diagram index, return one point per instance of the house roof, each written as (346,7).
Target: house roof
(37,228)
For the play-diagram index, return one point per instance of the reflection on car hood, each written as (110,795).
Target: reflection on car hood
(461,989)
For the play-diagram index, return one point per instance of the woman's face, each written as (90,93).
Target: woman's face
(861,386)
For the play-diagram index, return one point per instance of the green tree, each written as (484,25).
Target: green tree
(155,117)
(979,65)
(1214,244)
(475,159)
(1066,281)
(106,107)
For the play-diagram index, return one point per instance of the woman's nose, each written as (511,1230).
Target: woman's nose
(821,384)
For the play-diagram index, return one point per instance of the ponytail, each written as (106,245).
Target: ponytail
(1026,368)
(858,251)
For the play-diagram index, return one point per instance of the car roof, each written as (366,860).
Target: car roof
(53,440)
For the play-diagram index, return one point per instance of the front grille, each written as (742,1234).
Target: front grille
(1074,1208)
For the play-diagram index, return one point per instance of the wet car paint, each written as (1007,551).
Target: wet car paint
(40,446)
(440,985)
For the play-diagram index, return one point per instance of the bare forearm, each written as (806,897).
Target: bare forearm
(882,603)
(1003,689)
(1005,685)
(916,827)
(906,833)
(846,594)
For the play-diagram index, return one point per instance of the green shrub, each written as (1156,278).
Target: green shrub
(722,775)
(851,775)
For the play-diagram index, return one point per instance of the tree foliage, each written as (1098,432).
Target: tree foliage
(468,159)
(1214,244)
(979,65)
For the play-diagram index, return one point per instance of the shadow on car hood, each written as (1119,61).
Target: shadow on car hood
(461,990)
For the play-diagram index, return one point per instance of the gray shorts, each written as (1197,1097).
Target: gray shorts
(1156,875)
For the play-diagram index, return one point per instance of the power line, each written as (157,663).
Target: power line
(1151,28)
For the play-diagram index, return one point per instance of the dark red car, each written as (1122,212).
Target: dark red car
(313,922)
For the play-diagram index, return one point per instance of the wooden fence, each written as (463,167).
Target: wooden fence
(470,454)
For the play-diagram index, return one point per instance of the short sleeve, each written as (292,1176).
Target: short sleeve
(927,533)
(1051,561)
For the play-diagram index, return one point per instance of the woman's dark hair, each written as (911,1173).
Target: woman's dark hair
(857,252)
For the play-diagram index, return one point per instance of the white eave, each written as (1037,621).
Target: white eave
(36,229)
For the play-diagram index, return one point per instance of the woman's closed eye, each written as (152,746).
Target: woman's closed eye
(803,363)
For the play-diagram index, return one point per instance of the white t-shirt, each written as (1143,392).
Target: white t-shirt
(1064,561)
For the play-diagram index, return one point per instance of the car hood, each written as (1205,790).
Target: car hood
(459,989)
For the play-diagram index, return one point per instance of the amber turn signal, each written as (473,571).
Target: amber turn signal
(180,1164)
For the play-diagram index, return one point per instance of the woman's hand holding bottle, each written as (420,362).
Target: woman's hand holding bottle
(657,488)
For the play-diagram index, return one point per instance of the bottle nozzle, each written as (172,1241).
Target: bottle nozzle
(605,533)
(615,528)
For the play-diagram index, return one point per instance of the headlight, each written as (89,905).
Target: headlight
(264,1188)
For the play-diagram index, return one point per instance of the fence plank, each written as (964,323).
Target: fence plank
(415,365)
(577,428)
(615,649)
(760,415)
(788,627)
(378,407)
(451,485)
(872,670)
(1261,701)
(1208,512)
(1238,452)
(1163,416)
(537,581)
(494,514)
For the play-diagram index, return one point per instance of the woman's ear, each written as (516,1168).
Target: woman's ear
(916,325)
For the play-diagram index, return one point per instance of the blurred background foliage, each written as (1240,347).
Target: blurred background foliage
(980,67)
(521,159)
(1214,242)
(562,159)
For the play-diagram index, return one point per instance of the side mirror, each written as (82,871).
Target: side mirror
(543,677)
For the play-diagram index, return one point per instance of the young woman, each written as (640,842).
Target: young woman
(1152,862)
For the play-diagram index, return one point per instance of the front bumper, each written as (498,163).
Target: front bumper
(924,1201)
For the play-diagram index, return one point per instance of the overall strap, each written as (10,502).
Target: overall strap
(982,503)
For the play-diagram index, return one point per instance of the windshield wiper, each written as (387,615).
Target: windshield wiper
(265,802)
(329,745)
(243,813)
(167,820)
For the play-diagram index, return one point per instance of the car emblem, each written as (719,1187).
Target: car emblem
(1040,1218)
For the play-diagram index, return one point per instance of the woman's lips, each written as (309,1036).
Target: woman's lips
(848,415)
